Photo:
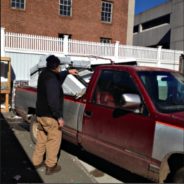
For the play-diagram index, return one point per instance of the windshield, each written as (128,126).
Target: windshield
(166,89)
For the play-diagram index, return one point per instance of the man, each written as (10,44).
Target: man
(49,111)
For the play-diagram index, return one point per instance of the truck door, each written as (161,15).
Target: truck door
(120,139)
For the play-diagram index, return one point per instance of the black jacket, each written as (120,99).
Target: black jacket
(50,94)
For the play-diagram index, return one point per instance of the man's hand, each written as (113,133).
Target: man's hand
(61,122)
(73,71)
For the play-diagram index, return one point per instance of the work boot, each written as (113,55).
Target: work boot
(51,170)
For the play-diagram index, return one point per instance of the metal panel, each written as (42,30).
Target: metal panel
(25,99)
(21,64)
(167,139)
(73,111)
(73,114)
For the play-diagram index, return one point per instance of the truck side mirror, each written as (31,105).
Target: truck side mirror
(131,101)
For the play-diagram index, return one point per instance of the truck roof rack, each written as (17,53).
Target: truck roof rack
(81,61)
(76,85)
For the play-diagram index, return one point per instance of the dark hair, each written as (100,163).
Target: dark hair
(52,62)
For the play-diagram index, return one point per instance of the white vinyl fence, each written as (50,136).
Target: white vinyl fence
(90,48)
(25,51)
(24,42)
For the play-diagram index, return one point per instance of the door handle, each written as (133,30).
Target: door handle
(88,114)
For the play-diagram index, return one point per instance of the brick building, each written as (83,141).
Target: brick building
(89,20)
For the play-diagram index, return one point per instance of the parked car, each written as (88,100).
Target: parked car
(132,116)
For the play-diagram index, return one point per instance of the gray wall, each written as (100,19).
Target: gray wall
(171,33)
(177,25)
(151,36)
(153,13)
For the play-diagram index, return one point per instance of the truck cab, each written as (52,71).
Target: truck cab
(136,112)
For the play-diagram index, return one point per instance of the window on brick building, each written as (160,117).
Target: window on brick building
(106,14)
(18,4)
(66,7)
(105,40)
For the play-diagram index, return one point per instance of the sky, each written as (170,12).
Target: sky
(142,5)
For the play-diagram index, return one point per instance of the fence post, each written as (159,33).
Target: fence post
(116,51)
(65,44)
(181,64)
(2,41)
(159,55)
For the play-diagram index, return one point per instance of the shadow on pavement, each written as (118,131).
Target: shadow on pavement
(102,165)
(15,165)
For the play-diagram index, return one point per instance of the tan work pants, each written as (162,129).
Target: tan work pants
(48,141)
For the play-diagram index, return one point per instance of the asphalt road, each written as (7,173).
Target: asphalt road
(77,166)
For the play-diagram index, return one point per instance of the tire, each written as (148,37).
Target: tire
(179,176)
(33,129)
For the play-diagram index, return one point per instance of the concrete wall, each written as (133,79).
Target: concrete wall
(41,17)
(155,35)
(153,13)
(131,7)
(170,34)
(152,36)
(177,25)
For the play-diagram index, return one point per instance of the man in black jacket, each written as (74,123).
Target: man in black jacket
(49,111)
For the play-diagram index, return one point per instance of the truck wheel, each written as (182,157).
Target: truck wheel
(33,129)
(179,176)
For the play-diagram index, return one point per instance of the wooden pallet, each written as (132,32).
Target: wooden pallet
(5,87)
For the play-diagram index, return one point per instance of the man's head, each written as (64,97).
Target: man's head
(53,63)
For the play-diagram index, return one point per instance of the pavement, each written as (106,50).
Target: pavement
(16,166)
(77,165)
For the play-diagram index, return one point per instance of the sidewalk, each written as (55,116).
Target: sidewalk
(16,152)
(15,165)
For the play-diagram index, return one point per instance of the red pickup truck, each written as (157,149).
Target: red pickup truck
(132,116)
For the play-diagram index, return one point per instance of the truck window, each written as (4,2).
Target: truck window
(166,90)
(111,86)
